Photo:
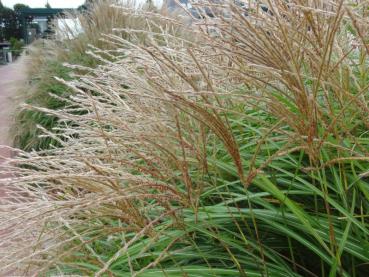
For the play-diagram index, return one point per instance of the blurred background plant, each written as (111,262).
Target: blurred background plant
(16,46)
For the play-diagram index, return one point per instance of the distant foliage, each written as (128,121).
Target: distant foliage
(16,46)
(8,24)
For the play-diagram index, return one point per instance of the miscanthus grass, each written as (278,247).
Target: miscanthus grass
(72,44)
(238,149)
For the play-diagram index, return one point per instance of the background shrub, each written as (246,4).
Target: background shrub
(16,46)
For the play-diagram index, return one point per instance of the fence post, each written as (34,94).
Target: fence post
(4,55)
(10,57)
(6,51)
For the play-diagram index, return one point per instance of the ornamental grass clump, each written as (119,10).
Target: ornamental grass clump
(74,40)
(234,145)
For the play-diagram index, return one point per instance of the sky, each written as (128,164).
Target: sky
(41,3)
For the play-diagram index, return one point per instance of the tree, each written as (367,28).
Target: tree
(9,22)
(48,6)
(87,5)
(18,7)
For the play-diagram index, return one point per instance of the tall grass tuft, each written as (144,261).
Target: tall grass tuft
(241,151)
(72,45)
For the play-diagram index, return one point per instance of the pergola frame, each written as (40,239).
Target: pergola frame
(27,13)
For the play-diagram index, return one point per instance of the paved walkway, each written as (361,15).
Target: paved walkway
(12,77)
